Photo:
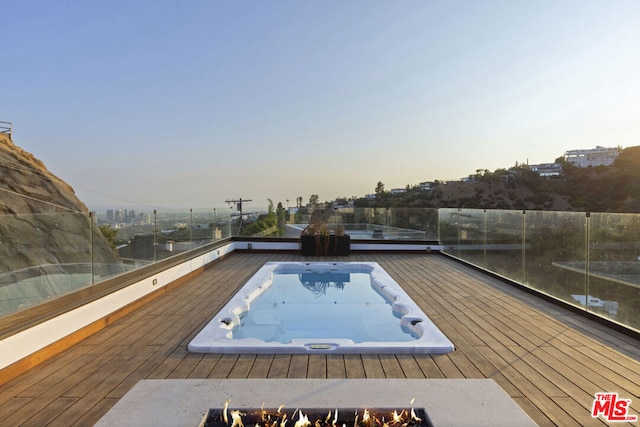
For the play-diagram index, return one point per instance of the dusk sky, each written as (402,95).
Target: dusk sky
(167,104)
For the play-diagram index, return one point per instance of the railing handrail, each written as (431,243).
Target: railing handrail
(8,130)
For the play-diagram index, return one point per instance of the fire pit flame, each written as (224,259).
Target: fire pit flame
(224,412)
(366,416)
(380,417)
(237,418)
(303,421)
(414,416)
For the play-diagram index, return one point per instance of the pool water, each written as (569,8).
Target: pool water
(322,304)
(316,307)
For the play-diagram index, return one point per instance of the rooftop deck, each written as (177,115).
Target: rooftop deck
(549,360)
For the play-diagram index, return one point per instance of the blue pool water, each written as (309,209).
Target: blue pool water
(321,307)
(321,304)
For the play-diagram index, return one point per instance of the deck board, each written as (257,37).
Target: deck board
(317,366)
(428,366)
(549,360)
(354,366)
(299,366)
(279,366)
(372,366)
(335,366)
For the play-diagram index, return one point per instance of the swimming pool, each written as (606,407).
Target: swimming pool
(311,307)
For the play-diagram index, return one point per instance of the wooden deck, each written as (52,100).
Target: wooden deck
(549,360)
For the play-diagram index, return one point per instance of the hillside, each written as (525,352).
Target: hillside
(613,188)
(498,194)
(41,219)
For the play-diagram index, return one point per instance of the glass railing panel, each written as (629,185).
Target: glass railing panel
(107,262)
(174,231)
(297,220)
(221,225)
(365,223)
(462,234)
(411,224)
(135,236)
(149,236)
(448,226)
(370,223)
(504,243)
(202,227)
(262,223)
(44,256)
(555,254)
(614,267)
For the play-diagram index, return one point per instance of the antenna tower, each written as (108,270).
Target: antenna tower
(238,204)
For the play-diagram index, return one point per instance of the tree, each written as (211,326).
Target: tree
(379,189)
(271,216)
(281,218)
(110,234)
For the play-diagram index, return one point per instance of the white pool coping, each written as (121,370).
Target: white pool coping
(216,336)
(448,402)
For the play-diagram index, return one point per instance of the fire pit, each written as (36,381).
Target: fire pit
(339,417)
(459,402)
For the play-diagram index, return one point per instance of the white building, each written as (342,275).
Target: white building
(599,156)
(398,190)
(547,169)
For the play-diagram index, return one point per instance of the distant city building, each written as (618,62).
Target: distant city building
(547,169)
(599,156)
(398,190)
(127,216)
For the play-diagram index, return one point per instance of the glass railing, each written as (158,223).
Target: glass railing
(371,223)
(45,256)
(591,261)
(157,235)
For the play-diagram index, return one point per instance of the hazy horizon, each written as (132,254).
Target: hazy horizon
(170,104)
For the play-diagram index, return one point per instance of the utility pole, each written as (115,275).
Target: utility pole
(238,204)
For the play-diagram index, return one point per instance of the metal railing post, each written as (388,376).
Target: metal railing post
(484,243)
(587,267)
(91,256)
(524,245)
(155,232)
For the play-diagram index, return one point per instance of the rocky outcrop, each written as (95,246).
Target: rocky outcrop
(42,222)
